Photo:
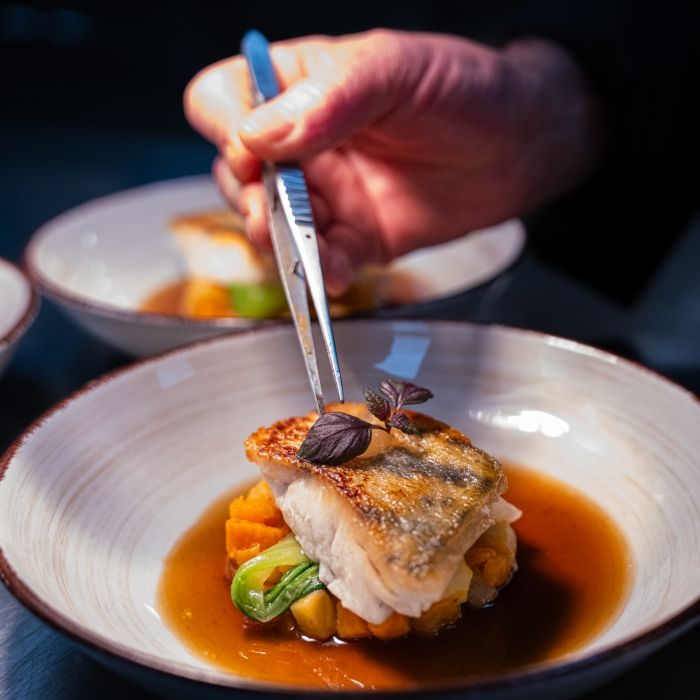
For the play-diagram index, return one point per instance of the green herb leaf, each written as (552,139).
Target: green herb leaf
(335,438)
(377,405)
(258,300)
(248,585)
(403,423)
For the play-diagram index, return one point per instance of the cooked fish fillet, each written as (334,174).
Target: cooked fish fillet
(389,527)
(215,248)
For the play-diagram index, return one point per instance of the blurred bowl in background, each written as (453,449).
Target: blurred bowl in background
(102,260)
(19,304)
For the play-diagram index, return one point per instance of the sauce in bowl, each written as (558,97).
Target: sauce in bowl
(573,576)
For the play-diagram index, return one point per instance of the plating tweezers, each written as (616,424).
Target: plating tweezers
(292,230)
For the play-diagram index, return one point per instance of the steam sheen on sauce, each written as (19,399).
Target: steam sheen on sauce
(572,580)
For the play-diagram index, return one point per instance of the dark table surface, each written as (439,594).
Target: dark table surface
(44,172)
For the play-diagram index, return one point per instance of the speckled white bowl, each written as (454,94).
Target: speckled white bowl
(18,307)
(95,493)
(100,261)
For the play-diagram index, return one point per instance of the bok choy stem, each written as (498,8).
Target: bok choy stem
(248,585)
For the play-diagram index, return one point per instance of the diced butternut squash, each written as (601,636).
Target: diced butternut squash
(241,556)
(241,534)
(257,510)
(395,625)
(255,523)
(202,298)
(316,615)
(350,626)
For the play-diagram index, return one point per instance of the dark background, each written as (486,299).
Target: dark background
(90,103)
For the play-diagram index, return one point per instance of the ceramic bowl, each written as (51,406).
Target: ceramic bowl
(18,307)
(101,260)
(95,494)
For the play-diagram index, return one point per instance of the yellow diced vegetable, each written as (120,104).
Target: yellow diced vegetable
(492,557)
(316,615)
(448,609)
(261,490)
(350,626)
(437,616)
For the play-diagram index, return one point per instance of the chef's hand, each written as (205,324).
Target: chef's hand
(406,139)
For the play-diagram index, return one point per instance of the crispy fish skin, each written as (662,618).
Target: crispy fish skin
(415,504)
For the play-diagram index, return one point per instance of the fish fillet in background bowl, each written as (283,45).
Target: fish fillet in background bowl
(103,263)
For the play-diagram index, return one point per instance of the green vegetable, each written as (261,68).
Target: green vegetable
(248,586)
(261,300)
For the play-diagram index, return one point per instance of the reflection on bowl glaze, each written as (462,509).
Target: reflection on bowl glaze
(121,471)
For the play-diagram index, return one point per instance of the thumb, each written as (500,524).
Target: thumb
(312,115)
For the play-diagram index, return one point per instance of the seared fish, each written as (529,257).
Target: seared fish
(214,247)
(389,528)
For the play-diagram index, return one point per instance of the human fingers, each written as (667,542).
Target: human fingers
(340,255)
(343,85)
(219,98)
(228,183)
(251,200)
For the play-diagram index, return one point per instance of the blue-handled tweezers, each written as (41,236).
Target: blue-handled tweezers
(292,230)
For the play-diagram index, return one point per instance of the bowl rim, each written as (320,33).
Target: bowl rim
(89,305)
(31,308)
(101,645)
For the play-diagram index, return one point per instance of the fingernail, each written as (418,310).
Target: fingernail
(339,272)
(277,119)
(267,122)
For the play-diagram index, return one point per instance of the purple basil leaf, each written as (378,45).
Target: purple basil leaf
(391,388)
(402,422)
(377,405)
(335,438)
(413,394)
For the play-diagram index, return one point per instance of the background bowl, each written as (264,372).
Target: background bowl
(96,493)
(18,306)
(101,260)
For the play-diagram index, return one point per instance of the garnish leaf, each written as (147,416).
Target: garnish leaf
(413,394)
(391,388)
(403,423)
(248,585)
(335,438)
(377,405)
(402,393)
(338,437)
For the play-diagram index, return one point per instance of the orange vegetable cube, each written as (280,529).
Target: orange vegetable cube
(350,626)
(395,625)
(241,534)
(242,555)
(257,510)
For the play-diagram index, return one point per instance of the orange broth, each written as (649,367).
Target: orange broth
(573,577)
